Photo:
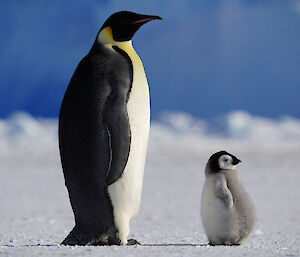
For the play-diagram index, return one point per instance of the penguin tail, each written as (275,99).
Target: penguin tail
(80,236)
(76,237)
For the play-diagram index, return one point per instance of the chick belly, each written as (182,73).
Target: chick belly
(218,220)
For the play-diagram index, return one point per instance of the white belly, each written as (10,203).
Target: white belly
(213,211)
(126,192)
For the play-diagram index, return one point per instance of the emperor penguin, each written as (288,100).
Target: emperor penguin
(227,211)
(103,134)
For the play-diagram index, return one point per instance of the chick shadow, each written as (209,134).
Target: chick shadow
(175,244)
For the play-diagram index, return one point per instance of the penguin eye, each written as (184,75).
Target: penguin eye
(226,160)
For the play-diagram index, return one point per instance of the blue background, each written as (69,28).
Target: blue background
(206,57)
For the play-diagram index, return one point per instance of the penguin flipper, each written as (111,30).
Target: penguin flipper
(222,191)
(116,118)
(117,125)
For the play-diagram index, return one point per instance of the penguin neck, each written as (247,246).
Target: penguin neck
(105,37)
(125,46)
(212,171)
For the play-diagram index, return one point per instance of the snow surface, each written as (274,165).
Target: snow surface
(36,214)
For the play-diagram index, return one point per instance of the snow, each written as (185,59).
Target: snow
(36,214)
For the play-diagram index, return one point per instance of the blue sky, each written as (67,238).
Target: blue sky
(205,58)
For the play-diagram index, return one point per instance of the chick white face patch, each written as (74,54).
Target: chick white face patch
(225,162)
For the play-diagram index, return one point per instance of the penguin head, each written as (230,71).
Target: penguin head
(221,160)
(121,26)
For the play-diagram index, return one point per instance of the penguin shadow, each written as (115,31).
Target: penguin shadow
(30,245)
(147,245)
(175,244)
(41,245)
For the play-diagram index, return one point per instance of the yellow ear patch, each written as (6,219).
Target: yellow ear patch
(106,36)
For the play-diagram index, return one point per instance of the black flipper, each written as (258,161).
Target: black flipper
(116,117)
(119,130)
(92,119)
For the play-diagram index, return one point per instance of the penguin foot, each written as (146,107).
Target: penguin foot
(101,241)
(234,244)
(224,243)
(116,241)
(113,240)
(105,239)
(133,242)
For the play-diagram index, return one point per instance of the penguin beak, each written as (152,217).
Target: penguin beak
(236,161)
(147,18)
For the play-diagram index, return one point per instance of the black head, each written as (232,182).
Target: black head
(124,24)
(222,160)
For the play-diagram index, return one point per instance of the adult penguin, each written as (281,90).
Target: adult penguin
(103,134)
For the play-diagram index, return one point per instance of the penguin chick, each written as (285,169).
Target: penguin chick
(227,211)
